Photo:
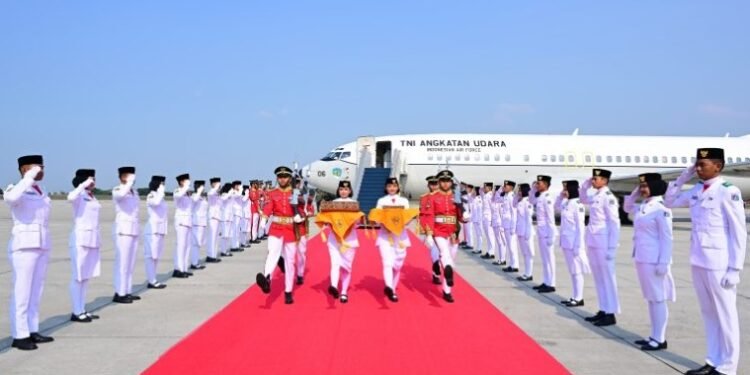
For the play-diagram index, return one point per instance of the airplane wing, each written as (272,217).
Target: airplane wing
(625,184)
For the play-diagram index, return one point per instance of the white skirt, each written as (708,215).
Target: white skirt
(85,261)
(577,265)
(655,288)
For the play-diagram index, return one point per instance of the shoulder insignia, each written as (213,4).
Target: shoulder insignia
(608,192)
(612,202)
(726,184)
(116,188)
(666,214)
(580,209)
(736,197)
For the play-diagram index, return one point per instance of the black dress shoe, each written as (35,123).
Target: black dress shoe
(448,297)
(263,282)
(134,297)
(462,244)
(333,291)
(390,294)
(39,339)
(121,299)
(573,303)
(705,370)
(158,285)
(654,345)
(197,267)
(525,278)
(486,256)
(540,286)
(448,275)
(607,320)
(212,260)
(599,314)
(24,344)
(83,318)
(226,254)
(179,274)
(546,289)
(476,251)
(300,280)
(436,280)
(92,316)
(281,264)
(436,267)
(344,298)
(498,263)
(510,269)
(188,274)
(288,300)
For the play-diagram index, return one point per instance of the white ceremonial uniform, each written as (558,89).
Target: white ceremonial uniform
(247,217)
(466,229)
(214,222)
(546,232)
(154,233)
(652,253)
(126,232)
(572,231)
(602,240)
(200,223)
(237,220)
(497,226)
(476,223)
(28,252)
(342,255)
(718,243)
(489,229)
(183,225)
(508,218)
(525,233)
(392,247)
(84,245)
(227,222)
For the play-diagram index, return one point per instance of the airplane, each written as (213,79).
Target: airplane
(479,158)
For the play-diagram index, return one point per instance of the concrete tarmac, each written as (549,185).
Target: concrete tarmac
(128,338)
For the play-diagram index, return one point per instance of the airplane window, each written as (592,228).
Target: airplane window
(544,158)
(674,159)
(654,159)
(333,155)
(628,159)
(619,159)
(588,159)
(692,160)
(571,159)
(486,157)
(346,155)
(637,159)
(526,158)
(645,159)
(747,160)
(448,158)
(497,157)
(553,158)
(730,160)
(429,157)
(609,158)
(598,158)
(467,157)
(664,159)
(476,157)
(561,158)
(684,160)
(440,157)
(507,157)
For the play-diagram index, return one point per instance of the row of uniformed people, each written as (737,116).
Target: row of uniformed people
(717,250)
(29,244)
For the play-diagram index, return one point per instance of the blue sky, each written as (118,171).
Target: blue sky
(236,88)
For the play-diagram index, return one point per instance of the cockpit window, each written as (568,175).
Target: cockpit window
(333,155)
(345,155)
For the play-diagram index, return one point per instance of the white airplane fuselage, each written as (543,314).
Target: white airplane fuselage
(480,158)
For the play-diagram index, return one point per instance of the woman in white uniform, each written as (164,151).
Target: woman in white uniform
(392,247)
(652,252)
(85,242)
(525,231)
(155,230)
(342,254)
(572,230)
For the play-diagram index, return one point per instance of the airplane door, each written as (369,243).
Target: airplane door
(383,154)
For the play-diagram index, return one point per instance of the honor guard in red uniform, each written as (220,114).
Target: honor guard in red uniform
(425,220)
(442,233)
(255,194)
(282,235)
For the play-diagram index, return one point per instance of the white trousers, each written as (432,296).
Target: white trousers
(182,249)
(547,251)
(448,251)
(489,233)
(527,249)
(511,248)
(301,255)
(468,231)
(341,266)
(605,280)
(85,265)
(254,226)
(275,247)
(393,259)
(199,239)
(576,270)
(29,272)
(78,295)
(125,254)
(213,238)
(153,246)
(719,312)
(477,237)
(236,231)
(500,244)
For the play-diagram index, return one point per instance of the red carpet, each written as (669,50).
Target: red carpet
(421,334)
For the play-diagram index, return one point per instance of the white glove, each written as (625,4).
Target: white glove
(686,175)
(610,255)
(298,219)
(186,184)
(32,172)
(730,279)
(89,181)
(263,222)
(587,184)
(160,189)
(662,269)
(200,190)
(635,193)
(430,241)
(466,215)
(130,179)
(550,241)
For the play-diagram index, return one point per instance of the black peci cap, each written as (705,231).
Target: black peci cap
(183,177)
(710,153)
(597,172)
(544,178)
(125,170)
(30,159)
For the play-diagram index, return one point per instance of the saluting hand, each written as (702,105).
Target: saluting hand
(32,172)
(89,181)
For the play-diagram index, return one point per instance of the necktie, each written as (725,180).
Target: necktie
(38,190)
(706,186)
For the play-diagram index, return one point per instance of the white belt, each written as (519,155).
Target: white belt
(445,219)
(283,220)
